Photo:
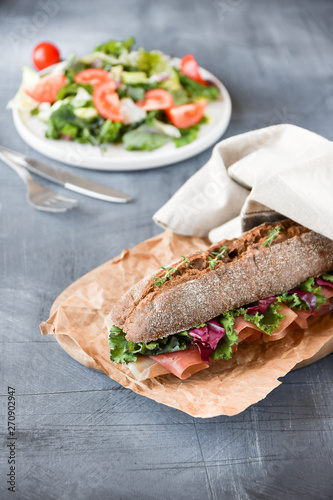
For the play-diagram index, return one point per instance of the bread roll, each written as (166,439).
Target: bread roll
(250,270)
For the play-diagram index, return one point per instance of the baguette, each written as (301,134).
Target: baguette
(249,271)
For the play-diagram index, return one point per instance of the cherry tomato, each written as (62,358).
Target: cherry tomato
(156,99)
(47,88)
(190,68)
(186,115)
(95,77)
(45,54)
(107,102)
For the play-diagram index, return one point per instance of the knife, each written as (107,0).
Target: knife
(67,179)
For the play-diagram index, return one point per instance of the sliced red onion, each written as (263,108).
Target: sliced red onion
(159,77)
(309,298)
(210,83)
(97,63)
(263,304)
(118,81)
(321,282)
(207,338)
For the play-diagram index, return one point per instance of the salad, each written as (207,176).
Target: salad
(142,99)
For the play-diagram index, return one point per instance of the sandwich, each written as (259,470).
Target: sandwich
(259,287)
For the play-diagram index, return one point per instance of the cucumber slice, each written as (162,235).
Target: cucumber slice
(85,113)
(134,77)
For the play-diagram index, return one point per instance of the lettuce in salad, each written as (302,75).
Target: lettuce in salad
(116,48)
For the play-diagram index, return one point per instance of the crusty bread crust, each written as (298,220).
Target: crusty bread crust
(249,272)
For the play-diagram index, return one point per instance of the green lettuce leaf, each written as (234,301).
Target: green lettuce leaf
(295,302)
(179,95)
(71,89)
(327,277)
(292,300)
(152,62)
(227,320)
(224,348)
(187,136)
(109,132)
(115,47)
(144,138)
(63,120)
(269,321)
(119,350)
(125,351)
(151,116)
(70,130)
(223,351)
(196,89)
(136,92)
(59,119)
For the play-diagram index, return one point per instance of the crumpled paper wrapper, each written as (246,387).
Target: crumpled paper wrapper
(225,388)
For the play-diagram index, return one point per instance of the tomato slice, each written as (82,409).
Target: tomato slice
(95,77)
(186,115)
(107,102)
(47,88)
(190,68)
(156,99)
(45,54)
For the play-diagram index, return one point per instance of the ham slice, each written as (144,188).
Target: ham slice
(240,324)
(183,364)
(302,318)
(280,335)
(249,334)
(246,330)
(327,291)
(324,308)
(290,317)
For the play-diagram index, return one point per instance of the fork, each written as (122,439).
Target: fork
(38,196)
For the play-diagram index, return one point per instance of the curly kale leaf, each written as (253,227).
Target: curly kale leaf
(327,277)
(269,321)
(294,301)
(224,348)
(125,351)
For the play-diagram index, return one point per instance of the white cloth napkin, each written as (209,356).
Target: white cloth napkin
(263,175)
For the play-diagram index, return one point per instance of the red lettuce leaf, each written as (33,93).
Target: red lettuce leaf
(207,338)
(321,282)
(309,298)
(263,304)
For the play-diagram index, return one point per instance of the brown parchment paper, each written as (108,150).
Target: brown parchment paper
(225,388)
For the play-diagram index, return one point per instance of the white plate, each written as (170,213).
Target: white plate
(116,157)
